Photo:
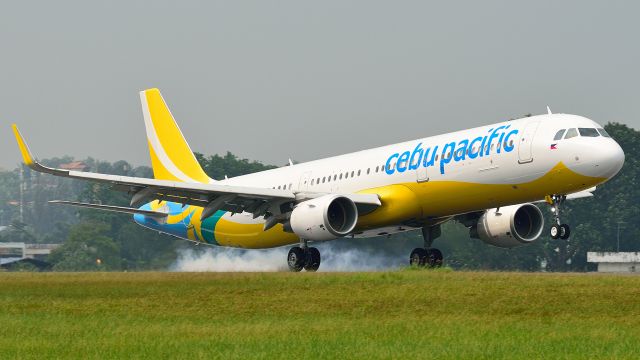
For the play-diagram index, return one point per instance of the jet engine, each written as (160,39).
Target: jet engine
(325,218)
(509,226)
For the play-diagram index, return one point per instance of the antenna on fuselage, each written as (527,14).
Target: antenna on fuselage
(549,110)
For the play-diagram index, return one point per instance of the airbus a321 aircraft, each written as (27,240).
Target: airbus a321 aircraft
(486,178)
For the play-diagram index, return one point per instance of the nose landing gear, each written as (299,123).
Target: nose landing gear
(558,230)
(303,257)
(427,256)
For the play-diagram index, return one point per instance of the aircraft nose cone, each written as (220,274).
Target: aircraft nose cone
(611,159)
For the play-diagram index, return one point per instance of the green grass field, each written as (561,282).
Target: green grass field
(417,314)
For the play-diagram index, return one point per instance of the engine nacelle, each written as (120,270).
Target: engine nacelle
(511,226)
(325,218)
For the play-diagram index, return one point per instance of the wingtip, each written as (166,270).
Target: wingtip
(27,158)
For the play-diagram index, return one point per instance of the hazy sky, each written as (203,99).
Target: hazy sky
(301,79)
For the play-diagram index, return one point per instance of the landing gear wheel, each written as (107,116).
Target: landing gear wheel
(296,259)
(313,260)
(435,258)
(418,257)
(565,231)
(558,230)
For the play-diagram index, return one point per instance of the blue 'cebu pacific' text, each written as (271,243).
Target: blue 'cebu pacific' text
(452,151)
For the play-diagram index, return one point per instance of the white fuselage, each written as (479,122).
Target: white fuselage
(530,158)
(429,180)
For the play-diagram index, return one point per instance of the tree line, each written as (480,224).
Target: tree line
(96,240)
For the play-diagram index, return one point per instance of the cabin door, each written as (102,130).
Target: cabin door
(525,143)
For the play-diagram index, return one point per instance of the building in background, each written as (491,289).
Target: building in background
(615,261)
(15,253)
(75,166)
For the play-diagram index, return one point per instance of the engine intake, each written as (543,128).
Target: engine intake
(511,226)
(325,218)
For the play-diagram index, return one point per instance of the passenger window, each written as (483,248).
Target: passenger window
(377,167)
(352,173)
(437,157)
(588,132)
(571,133)
(323,178)
(603,132)
(340,176)
(559,134)
(358,172)
(368,171)
(335,177)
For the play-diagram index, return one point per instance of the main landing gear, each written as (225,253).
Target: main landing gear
(427,256)
(558,230)
(303,257)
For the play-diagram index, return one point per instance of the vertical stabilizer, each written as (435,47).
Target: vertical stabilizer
(171,156)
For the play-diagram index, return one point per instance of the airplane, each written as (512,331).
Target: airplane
(487,178)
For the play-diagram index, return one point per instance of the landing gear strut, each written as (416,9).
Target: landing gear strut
(303,257)
(427,256)
(558,230)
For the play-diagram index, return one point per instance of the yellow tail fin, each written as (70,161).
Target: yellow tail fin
(171,156)
(27,158)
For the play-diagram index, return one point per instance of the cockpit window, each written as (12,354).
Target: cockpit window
(559,134)
(603,132)
(588,132)
(571,133)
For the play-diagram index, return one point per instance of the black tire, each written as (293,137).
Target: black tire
(418,257)
(555,231)
(296,259)
(313,260)
(565,231)
(435,258)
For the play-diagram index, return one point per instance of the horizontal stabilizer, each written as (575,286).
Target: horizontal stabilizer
(158,216)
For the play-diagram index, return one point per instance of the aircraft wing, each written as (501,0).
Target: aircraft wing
(212,197)
(582,194)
